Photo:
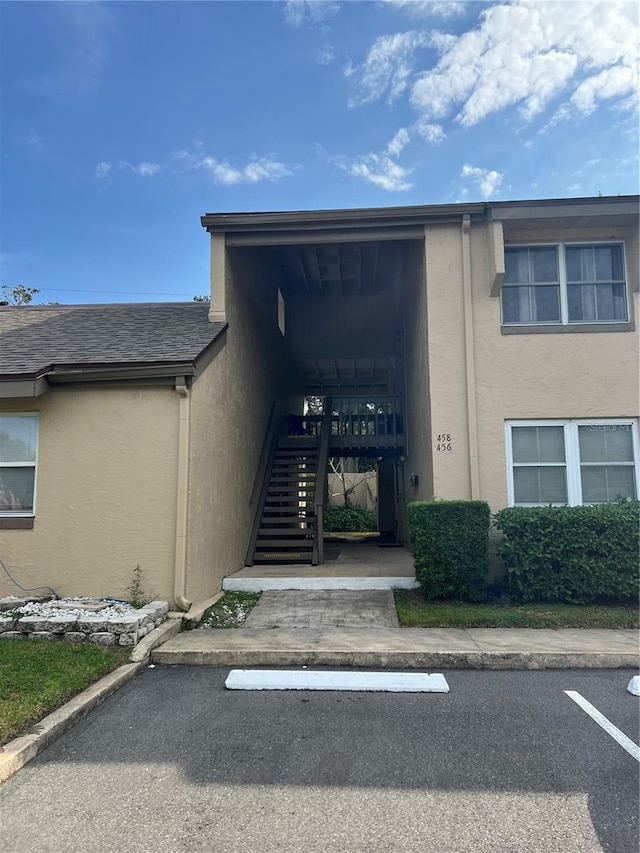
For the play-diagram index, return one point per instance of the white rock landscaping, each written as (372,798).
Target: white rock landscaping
(103,622)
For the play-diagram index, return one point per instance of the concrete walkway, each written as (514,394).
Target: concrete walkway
(478,648)
(324,609)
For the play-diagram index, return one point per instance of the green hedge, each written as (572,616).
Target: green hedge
(450,542)
(349,519)
(581,554)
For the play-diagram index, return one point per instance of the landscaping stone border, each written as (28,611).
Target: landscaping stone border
(124,630)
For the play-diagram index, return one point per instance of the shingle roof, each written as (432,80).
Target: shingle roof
(34,338)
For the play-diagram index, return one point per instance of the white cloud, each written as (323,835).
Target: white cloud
(144,169)
(487,181)
(220,171)
(387,68)
(417,9)
(378,169)
(610,83)
(526,53)
(257,169)
(432,133)
(298,12)
(326,55)
(265,169)
(394,148)
(102,170)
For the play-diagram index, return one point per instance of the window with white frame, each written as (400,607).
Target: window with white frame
(564,284)
(18,460)
(572,462)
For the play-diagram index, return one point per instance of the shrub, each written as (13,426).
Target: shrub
(580,554)
(450,543)
(349,519)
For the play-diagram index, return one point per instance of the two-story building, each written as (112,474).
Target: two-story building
(482,350)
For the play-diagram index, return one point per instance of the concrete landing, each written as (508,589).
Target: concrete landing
(237,583)
(324,609)
(359,566)
(405,648)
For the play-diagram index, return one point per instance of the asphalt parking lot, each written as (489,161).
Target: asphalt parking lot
(175,762)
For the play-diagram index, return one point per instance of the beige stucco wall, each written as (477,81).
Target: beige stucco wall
(417,376)
(230,405)
(580,375)
(106,484)
(563,375)
(446,353)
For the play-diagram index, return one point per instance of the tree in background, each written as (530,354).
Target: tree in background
(17,295)
(341,466)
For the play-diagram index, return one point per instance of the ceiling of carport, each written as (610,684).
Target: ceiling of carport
(339,268)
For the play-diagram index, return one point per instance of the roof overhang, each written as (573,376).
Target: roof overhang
(335,226)
(35,383)
(398,223)
(18,385)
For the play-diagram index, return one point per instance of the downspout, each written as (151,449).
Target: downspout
(472,417)
(182,496)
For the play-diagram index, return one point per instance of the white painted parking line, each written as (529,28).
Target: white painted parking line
(388,682)
(625,742)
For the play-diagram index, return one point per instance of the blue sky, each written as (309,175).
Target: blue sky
(124,122)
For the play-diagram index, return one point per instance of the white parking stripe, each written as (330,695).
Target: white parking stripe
(625,742)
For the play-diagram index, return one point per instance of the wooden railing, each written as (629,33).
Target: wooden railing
(367,423)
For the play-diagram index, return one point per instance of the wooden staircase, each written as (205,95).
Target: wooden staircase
(286,532)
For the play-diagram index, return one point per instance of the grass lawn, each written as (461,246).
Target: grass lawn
(37,676)
(415,612)
(231,610)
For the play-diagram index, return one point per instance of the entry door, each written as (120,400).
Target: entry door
(386,498)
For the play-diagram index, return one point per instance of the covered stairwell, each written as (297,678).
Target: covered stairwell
(288,524)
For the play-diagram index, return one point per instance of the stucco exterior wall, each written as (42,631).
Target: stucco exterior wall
(417,376)
(106,484)
(230,405)
(447,373)
(518,376)
(579,375)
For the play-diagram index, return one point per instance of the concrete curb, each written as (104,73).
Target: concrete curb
(161,634)
(195,613)
(18,752)
(397,659)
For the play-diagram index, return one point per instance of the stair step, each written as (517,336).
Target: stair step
(297,512)
(280,543)
(291,489)
(296,462)
(293,476)
(294,470)
(286,531)
(298,557)
(292,483)
(290,502)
